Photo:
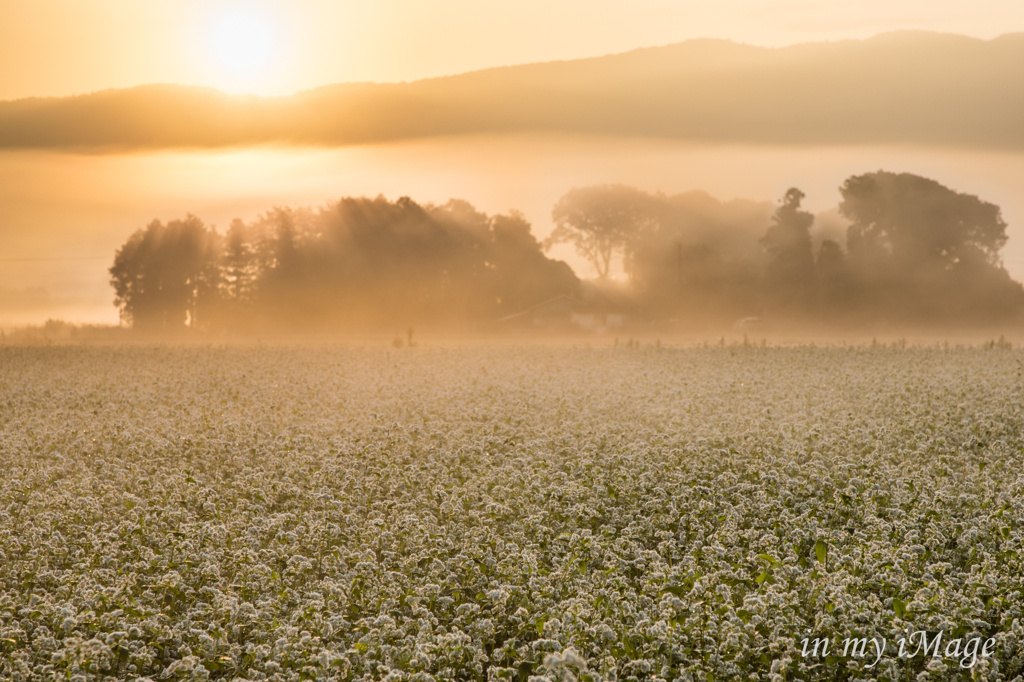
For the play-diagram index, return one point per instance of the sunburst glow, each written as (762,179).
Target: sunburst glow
(242,45)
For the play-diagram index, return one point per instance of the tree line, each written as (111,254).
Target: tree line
(914,251)
(358,263)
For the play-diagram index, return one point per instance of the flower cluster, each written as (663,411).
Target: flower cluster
(525,514)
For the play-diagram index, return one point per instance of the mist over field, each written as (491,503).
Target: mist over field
(77,209)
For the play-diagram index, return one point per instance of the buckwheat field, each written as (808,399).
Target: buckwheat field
(517,513)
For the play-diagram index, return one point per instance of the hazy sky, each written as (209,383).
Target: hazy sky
(62,47)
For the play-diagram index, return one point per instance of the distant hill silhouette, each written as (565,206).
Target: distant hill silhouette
(905,87)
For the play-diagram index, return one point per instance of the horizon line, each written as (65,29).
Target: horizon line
(301,91)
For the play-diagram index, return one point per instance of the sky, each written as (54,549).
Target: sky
(277,47)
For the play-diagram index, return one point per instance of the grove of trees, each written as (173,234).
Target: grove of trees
(915,251)
(355,264)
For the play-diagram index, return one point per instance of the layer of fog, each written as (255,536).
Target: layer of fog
(63,215)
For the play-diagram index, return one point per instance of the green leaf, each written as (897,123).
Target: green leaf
(899,606)
(999,514)
(821,551)
(761,578)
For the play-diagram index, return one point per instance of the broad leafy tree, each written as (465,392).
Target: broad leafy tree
(921,250)
(600,221)
(166,276)
(914,219)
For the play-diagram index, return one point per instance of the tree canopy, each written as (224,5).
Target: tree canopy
(913,219)
(165,276)
(916,251)
(356,263)
(600,221)
(923,251)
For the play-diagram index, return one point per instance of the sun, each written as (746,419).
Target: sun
(242,45)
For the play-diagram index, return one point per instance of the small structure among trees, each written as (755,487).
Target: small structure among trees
(565,313)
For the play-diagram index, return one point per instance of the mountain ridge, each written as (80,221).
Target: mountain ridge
(900,87)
